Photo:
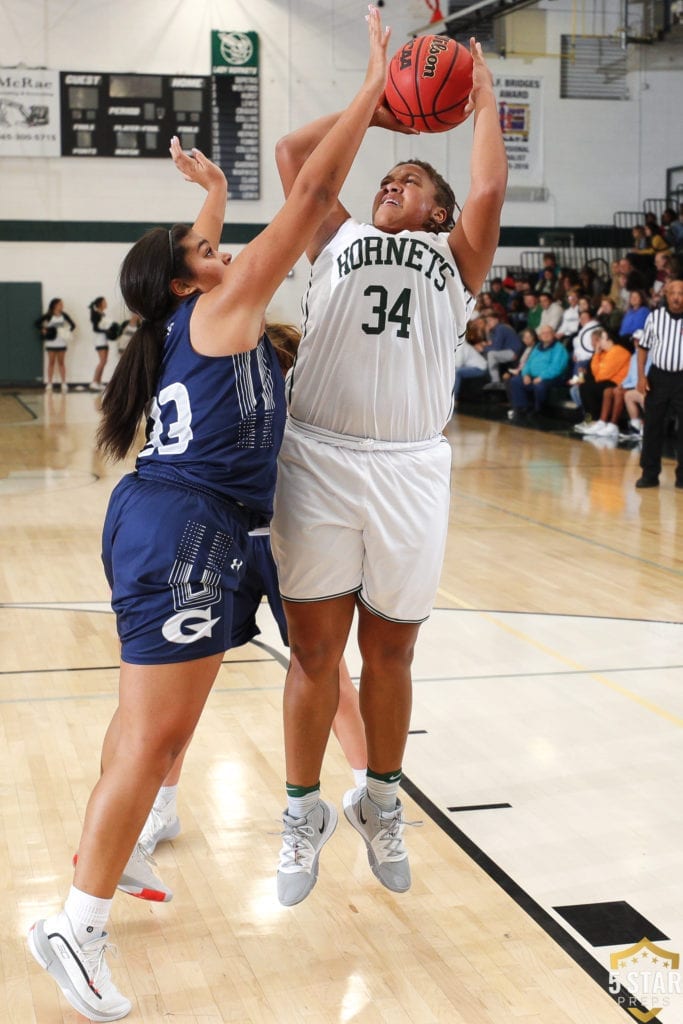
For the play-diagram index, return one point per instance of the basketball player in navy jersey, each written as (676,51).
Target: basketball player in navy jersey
(201,371)
(361,506)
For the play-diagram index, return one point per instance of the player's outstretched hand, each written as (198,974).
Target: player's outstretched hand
(376,74)
(194,166)
(482,79)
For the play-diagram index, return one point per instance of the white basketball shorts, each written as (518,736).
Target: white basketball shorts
(365,519)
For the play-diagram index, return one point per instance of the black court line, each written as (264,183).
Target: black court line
(478,807)
(23,404)
(534,910)
(115,668)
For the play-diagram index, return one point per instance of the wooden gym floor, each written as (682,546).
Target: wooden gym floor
(545,759)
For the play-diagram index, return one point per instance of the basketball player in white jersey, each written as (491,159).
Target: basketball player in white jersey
(362,496)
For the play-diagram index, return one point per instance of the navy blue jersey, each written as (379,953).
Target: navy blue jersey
(215,422)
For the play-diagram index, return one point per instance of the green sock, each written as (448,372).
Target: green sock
(302,799)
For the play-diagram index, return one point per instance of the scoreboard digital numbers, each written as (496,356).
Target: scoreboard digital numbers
(124,115)
(236,132)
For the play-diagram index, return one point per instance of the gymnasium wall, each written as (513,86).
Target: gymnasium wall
(598,156)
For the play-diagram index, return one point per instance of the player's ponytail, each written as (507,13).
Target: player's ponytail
(145,282)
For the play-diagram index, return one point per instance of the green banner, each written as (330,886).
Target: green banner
(232,51)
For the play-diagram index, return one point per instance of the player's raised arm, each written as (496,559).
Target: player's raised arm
(474,238)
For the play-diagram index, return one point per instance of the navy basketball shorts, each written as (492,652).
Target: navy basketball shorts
(175,560)
(259,581)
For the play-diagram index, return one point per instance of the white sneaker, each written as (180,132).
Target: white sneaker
(581,428)
(95,386)
(65,387)
(302,841)
(610,430)
(382,832)
(138,879)
(596,429)
(80,971)
(160,826)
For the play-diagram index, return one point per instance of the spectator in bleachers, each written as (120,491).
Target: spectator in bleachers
(639,239)
(666,269)
(547,282)
(569,324)
(498,294)
(550,264)
(654,242)
(503,347)
(533,310)
(674,231)
(617,287)
(469,359)
(591,284)
(652,221)
(608,367)
(619,403)
(486,303)
(551,311)
(545,366)
(609,316)
(633,319)
(583,349)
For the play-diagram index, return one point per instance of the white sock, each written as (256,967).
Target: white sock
(87,914)
(301,806)
(359,777)
(384,794)
(166,798)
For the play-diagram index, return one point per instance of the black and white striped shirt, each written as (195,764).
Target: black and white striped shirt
(663,335)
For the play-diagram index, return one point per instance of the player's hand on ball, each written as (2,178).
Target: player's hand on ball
(383,118)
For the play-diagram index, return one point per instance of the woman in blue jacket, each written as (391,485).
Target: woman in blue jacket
(547,363)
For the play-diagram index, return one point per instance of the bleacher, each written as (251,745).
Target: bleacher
(598,257)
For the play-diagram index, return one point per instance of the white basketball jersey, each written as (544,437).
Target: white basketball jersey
(382,318)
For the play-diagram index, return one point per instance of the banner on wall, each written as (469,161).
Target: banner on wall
(29,112)
(520,112)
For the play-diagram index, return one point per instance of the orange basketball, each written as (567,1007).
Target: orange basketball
(428,83)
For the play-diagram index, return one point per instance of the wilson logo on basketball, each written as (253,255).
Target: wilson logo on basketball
(436,47)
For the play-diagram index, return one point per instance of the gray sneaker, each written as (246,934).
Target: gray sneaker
(80,971)
(302,841)
(138,879)
(160,826)
(382,832)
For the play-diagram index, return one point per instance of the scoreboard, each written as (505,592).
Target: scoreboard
(128,115)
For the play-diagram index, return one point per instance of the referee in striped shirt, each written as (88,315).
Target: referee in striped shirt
(663,386)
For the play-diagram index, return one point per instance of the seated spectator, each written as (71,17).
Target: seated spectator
(533,310)
(547,282)
(665,270)
(634,318)
(486,303)
(590,283)
(583,347)
(608,367)
(609,316)
(617,285)
(469,362)
(499,296)
(545,366)
(583,350)
(639,239)
(673,230)
(620,402)
(551,311)
(569,324)
(529,338)
(503,346)
(652,222)
(549,265)
(654,242)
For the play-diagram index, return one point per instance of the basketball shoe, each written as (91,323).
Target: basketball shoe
(382,832)
(161,824)
(80,971)
(302,841)
(138,878)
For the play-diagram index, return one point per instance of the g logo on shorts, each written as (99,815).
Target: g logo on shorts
(189,626)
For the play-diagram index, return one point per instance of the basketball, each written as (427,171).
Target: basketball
(428,83)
